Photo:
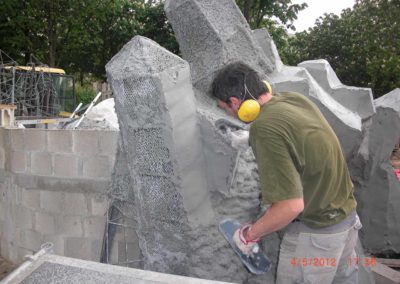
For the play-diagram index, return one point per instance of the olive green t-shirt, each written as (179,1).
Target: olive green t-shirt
(299,155)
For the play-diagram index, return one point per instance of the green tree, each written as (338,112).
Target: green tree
(79,36)
(362,45)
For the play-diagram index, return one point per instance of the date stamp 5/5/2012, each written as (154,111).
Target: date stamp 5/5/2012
(332,261)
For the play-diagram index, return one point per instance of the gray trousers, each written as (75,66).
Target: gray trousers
(319,256)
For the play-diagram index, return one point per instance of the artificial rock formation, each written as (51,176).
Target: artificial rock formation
(378,189)
(160,135)
(358,100)
(185,175)
(177,177)
(349,110)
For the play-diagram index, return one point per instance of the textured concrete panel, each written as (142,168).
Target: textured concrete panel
(358,100)
(57,269)
(156,108)
(211,34)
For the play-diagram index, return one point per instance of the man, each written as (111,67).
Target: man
(303,174)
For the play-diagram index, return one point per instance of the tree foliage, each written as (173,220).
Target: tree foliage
(79,36)
(362,45)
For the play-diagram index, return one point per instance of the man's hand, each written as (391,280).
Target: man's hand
(239,139)
(245,245)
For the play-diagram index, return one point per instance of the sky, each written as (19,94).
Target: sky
(316,8)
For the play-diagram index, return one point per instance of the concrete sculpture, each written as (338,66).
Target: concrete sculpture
(184,173)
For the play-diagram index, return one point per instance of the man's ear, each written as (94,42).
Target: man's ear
(234,102)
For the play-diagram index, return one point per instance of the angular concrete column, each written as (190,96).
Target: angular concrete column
(378,189)
(212,33)
(156,110)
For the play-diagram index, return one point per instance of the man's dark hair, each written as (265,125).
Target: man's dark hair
(230,82)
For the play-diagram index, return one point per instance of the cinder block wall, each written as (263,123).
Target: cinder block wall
(52,189)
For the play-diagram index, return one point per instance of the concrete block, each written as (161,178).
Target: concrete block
(78,248)
(30,198)
(26,180)
(57,241)
(108,141)
(97,167)
(52,201)
(98,205)
(45,223)
(86,142)
(31,240)
(35,139)
(65,165)
(41,163)
(2,158)
(70,226)
(76,204)
(18,162)
(17,139)
(59,141)
(5,138)
(23,217)
(94,227)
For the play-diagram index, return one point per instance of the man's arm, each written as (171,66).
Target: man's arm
(279,215)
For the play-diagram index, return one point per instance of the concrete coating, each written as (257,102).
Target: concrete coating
(218,26)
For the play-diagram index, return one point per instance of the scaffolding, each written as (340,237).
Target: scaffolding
(36,90)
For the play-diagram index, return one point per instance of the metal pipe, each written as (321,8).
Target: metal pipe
(88,109)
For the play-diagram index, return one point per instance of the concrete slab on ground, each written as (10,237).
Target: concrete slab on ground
(58,269)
